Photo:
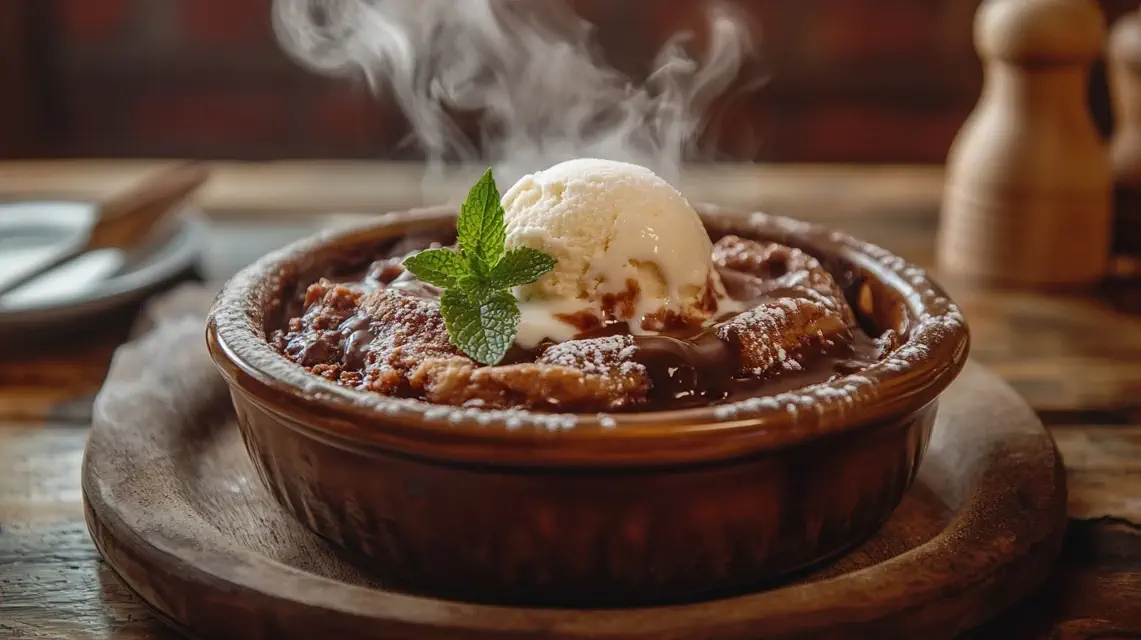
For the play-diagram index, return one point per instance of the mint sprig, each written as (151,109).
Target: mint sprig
(481,316)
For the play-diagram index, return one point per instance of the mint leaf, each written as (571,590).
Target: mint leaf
(479,312)
(440,267)
(521,265)
(482,326)
(480,228)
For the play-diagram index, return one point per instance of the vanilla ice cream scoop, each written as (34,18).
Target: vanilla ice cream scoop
(629,247)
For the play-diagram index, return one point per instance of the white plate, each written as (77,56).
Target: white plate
(94,282)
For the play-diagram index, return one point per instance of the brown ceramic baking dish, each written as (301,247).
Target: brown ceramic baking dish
(564,509)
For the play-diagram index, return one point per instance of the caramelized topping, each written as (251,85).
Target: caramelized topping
(385,334)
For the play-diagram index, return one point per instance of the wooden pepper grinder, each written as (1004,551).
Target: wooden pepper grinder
(1027,199)
(1125,149)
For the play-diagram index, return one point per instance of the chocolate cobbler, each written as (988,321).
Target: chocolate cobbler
(382,332)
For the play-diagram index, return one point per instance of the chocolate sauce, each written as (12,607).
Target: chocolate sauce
(693,367)
(356,344)
(700,369)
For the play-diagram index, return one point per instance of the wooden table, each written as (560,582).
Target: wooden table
(1075,357)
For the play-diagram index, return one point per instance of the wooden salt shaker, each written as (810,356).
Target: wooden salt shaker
(1125,149)
(1027,199)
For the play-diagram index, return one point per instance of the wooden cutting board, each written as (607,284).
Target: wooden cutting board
(175,507)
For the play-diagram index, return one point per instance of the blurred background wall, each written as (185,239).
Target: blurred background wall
(851,80)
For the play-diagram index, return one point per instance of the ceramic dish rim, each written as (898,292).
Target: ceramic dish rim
(905,382)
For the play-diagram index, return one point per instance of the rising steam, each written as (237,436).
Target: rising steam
(529,69)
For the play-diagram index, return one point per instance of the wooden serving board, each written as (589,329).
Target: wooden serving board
(175,507)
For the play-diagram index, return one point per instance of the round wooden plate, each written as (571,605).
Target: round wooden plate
(176,509)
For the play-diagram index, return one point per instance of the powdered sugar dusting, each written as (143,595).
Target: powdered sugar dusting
(596,356)
(767,335)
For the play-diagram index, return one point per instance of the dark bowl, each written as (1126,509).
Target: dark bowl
(590,510)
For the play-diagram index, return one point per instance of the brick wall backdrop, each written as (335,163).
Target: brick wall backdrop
(853,80)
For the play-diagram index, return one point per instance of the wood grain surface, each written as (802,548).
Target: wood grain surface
(977,531)
(1076,358)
